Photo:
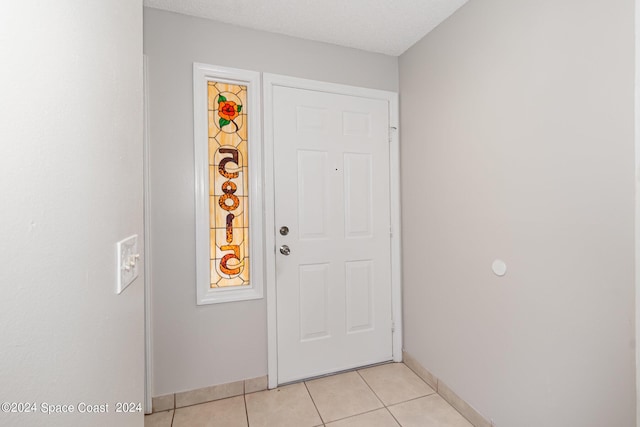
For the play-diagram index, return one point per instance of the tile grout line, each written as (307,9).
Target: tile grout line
(244,398)
(173,415)
(414,398)
(393,416)
(246,409)
(437,392)
(384,404)
(397,403)
(357,415)
(173,410)
(314,402)
(371,388)
(354,415)
(422,379)
(211,401)
(358,371)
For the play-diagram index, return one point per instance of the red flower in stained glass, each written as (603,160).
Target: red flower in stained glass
(228,111)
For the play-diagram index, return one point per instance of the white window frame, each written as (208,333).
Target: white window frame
(203,73)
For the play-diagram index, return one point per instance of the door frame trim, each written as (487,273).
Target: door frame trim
(269,82)
(148,343)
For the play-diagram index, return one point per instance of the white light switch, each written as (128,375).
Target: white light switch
(128,261)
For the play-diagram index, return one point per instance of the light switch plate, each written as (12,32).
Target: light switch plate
(128,262)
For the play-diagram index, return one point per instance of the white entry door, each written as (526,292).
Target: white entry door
(332,218)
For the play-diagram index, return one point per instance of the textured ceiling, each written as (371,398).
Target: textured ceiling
(385,26)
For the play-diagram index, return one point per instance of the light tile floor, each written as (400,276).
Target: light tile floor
(388,395)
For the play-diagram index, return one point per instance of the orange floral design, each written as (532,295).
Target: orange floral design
(228,110)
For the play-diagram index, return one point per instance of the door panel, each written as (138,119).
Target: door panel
(331,158)
(359,296)
(314,295)
(358,176)
(313,197)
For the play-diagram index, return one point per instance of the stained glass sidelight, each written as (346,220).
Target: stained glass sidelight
(228,184)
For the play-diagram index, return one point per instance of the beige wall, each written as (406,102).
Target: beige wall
(517,143)
(71,186)
(193,346)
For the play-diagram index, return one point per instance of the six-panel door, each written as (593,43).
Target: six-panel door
(331,159)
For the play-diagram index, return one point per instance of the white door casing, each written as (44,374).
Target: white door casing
(148,345)
(331,161)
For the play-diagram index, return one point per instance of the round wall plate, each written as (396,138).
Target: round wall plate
(499,267)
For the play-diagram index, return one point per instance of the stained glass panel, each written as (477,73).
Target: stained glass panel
(228,184)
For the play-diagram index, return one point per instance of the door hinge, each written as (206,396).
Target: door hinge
(393,326)
(390,231)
